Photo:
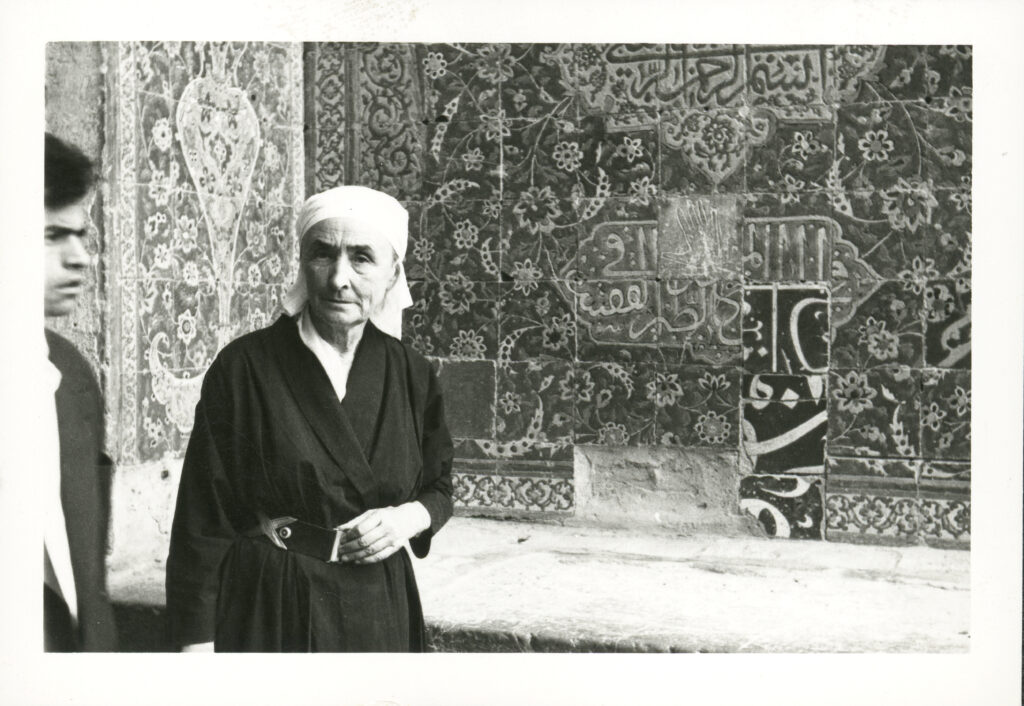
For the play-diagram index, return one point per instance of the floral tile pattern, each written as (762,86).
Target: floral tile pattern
(946,414)
(612,406)
(785,506)
(872,500)
(534,411)
(947,323)
(763,250)
(875,412)
(886,328)
(694,405)
(455,318)
(538,320)
(209,172)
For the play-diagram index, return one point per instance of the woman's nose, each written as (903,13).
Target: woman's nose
(341,273)
(75,256)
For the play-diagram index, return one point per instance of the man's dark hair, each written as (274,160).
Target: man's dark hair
(69,173)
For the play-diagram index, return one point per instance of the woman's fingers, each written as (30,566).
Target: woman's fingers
(361,542)
(379,556)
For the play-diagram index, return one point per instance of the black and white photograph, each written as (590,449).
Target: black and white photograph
(496,346)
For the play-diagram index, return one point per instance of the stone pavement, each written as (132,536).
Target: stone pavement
(493,585)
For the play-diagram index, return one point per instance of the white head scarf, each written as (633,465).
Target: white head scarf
(371,210)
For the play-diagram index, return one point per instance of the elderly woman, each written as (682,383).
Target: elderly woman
(319,448)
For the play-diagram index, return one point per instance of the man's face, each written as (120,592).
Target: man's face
(348,271)
(66,257)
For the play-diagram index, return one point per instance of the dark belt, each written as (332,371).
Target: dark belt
(298,536)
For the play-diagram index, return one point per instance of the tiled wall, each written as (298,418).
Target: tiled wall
(206,167)
(718,247)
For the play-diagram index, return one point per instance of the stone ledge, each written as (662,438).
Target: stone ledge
(502,586)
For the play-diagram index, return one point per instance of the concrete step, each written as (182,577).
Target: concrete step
(502,586)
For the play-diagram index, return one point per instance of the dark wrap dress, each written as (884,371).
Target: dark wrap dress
(271,436)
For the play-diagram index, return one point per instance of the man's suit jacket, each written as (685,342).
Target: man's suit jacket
(85,475)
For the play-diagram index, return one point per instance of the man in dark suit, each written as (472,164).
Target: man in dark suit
(75,472)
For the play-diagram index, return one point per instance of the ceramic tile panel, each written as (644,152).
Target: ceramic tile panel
(612,406)
(875,412)
(873,501)
(785,329)
(946,414)
(210,169)
(786,506)
(534,413)
(765,250)
(946,312)
(695,405)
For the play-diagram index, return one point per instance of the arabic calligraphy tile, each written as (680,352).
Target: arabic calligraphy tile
(783,77)
(946,145)
(704,151)
(537,86)
(617,320)
(713,76)
(764,387)
(946,414)
(700,321)
(469,388)
(463,78)
(785,329)
(616,78)
(796,157)
(611,406)
(463,159)
(698,236)
(695,405)
(538,320)
(534,411)
(788,238)
(885,328)
(874,412)
(455,318)
(453,237)
(618,240)
(787,506)
(783,436)
(950,69)
(947,323)
(900,75)
(758,329)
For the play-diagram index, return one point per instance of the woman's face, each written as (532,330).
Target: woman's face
(348,271)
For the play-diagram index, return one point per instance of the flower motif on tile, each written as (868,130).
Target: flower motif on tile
(875,413)
(946,414)
(875,145)
(577,385)
(527,332)
(457,294)
(664,389)
(947,320)
(716,142)
(945,519)
(537,209)
(526,275)
(872,515)
(494,62)
(909,204)
(468,345)
(567,156)
(435,65)
(615,415)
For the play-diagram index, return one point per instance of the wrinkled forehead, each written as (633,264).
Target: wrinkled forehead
(347,232)
(71,217)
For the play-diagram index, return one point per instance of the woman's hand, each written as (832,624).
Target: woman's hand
(377,534)
(198,647)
